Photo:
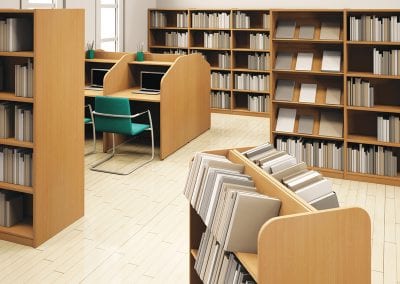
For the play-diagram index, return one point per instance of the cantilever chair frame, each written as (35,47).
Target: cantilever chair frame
(93,129)
(112,154)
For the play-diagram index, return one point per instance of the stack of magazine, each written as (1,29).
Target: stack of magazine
(309,185)
(231,208)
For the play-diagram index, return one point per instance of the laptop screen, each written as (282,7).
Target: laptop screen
(151,80)
(98,76)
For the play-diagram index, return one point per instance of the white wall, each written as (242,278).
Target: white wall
(5,4)
(136,23)
(90,16)
(266,4)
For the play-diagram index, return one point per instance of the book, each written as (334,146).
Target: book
(299,181)
(286,120)
(306,32)
(304,61)
(308,93)
(283,61)
(284,90)
(250,212)
(290,171)
(331,60)
(326,202)
(285,29)
(279,163)
(315,190)
(331,124)
(330,31)
(306,124)
(333,96)
(13,208)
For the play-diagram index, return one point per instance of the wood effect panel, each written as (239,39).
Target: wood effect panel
(101,54)
(58,176)
(267,185)
(185,103)
(330,246)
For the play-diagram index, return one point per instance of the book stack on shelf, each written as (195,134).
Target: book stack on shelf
(11,208)
(360,92)
(24,80)
(220,80)
(16,166)
(388,128)
(176,39)
(374,28)
(221,100)
(231,209)
(310,185)
(234,41)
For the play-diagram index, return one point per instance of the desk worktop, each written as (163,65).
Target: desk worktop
(93,93)
(126,94)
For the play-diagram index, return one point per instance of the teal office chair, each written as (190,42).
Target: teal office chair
(113,115)
(90,120)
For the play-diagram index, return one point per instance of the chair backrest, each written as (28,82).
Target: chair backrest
(113,105)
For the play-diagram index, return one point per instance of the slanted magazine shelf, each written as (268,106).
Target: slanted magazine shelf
(53,189)
(290,244)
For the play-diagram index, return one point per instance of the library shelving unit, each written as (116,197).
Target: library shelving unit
(222,36)
(369,32)
(55,198)
(302,244)
(316,43)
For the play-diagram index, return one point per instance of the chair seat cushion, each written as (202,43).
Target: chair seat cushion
(138,128)
(87,120)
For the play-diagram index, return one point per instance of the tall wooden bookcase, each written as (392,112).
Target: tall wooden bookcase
(359,122)
(237,51)
(55,199)
(302,244)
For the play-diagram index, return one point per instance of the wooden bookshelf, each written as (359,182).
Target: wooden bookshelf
(346,230)
(238,48)
(55,199)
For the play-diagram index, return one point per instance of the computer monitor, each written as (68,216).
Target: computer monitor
(150,80)
(97,77)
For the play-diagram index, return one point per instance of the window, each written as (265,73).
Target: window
(108,25)
(30,4)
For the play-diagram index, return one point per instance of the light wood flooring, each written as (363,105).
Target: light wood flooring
(135,228)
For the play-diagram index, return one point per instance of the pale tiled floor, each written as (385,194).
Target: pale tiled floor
(135,228)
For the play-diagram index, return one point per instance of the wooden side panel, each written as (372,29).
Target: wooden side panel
(101,54)
(291,203)
(58,174)
(331,246)
(185,103)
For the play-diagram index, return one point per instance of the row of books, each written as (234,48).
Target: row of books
(328,30)
(388,127)
(315,153)
(259,41)
(330,122)
(252,82)
(310,185)
(386,62)
(11,208)
(257,103)
(374,28)
(242,21)
(158,19)
(16,120)
(220,100)
(331,61)
(217,40)
(211,20)
(258,61)
(16,166)
(175,51)
(220,80)
(224,60)
(213,265)
(16,34)
(371,159)
(24,80)
(226,201)
(176,39)
(308,92)
(360,92)
(182,20)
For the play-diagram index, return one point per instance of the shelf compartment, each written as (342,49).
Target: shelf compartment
(241,61)
(197,39)
(307,41)
(170,17)
(213,58)
(23,229)
(259,19)
(241,41)
(250,263)
(312,18)
(376,108)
